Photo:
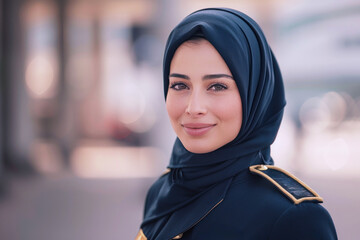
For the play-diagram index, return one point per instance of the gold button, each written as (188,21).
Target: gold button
(262,168)
(178,236)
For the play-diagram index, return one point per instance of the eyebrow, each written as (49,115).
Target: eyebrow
(178,75)
(205,77)
(214,76)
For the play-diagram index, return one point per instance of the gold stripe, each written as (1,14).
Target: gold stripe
(140,235)
(166,171)
(181,234)
(178,236)
(257,169)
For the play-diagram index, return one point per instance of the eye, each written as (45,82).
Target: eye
(178,86)
(217,87)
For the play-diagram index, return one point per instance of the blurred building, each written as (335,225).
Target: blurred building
(77,73)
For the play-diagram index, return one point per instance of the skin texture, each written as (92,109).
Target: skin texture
(203,101)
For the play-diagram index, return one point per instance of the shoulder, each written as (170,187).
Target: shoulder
(302,217)
(154,190)
(284,207)
(304,221)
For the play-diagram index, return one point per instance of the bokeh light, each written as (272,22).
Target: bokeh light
(40,77)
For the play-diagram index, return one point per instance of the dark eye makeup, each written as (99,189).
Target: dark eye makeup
(217,87)
(178,86)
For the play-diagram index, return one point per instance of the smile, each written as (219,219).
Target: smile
(197,129)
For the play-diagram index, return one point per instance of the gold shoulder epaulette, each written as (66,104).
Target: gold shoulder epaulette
(288,184)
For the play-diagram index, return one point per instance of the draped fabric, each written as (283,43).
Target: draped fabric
(197,182)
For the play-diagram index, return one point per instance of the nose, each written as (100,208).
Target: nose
(196,104)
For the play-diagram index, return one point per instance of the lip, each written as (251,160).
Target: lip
(197,129)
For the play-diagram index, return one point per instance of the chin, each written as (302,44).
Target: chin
(199,149)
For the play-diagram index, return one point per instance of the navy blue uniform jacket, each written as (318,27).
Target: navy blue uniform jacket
(254,208)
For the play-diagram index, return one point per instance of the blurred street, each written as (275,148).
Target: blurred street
(69,208)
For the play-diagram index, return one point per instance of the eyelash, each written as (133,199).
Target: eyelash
(217,85)
(176,86)
(183,86)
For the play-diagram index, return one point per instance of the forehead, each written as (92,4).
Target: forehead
(198,55)
(196,43)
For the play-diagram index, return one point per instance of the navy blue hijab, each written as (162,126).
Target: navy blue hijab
(198,182)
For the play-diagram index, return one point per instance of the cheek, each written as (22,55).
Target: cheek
(174,108)
(229,111)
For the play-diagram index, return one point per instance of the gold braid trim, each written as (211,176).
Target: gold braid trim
(261,170)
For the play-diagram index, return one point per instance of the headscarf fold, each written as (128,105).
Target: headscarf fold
(198,182)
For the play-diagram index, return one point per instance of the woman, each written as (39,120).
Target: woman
(225,98)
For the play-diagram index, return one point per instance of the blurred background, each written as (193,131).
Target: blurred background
(83,125)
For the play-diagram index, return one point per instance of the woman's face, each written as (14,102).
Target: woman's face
(203,101)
